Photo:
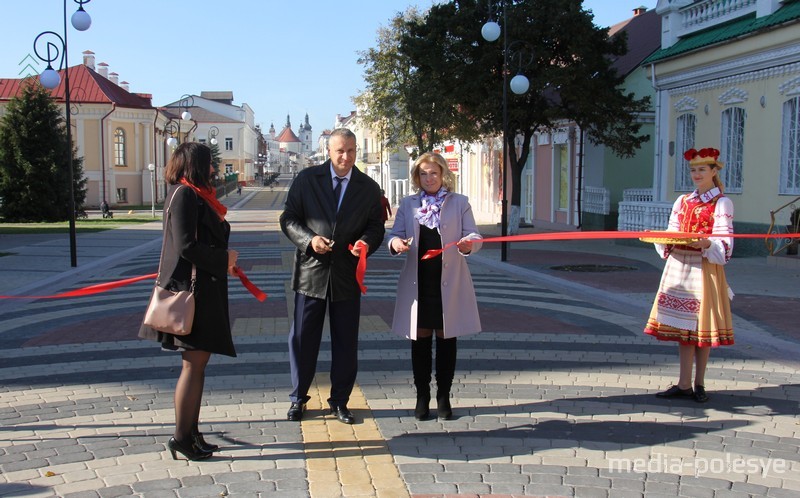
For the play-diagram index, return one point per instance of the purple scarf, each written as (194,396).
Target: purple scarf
(428,214)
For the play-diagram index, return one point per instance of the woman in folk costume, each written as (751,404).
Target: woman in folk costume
(434,296)
(195,241)
(692,306)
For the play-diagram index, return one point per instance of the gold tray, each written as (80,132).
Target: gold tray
(668,240)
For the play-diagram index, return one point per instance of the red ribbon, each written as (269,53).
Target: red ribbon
(361,269)
(614,235)
(88,291)
(98,288)
(255,291)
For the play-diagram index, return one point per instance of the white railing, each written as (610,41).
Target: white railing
(637,195)
(638,216)
(701,15)
(596,200)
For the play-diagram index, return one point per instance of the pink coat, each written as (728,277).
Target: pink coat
(458,294)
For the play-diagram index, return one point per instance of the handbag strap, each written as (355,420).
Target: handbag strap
(164,243)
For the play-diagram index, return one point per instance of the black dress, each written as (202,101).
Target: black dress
(429,277)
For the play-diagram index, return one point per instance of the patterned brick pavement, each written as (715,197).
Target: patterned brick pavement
(554,398)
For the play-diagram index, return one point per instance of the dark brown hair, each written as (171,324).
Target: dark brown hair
(191,160)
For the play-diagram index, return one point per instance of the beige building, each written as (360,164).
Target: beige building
(118,133)
(728,76)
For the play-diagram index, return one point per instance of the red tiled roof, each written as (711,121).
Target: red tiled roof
(86,86)
(287,135)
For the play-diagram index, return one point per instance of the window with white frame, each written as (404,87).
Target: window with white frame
(790,148)
(122,195)
(732,148)
(684,140)
(119,147)
(228,143)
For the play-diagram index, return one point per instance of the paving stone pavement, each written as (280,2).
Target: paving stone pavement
(554,398)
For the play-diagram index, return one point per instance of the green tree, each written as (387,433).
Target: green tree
(455,86)
(34,155)
(382,105)
(216,156)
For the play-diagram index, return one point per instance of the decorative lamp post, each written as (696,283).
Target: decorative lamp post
(152,168)
(519,85)
(212,134)
(186,102)
(171,129)
(50,79)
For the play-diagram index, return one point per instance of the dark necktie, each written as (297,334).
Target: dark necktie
(337,190)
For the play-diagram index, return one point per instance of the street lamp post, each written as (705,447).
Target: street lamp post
(50,80)
(186,102)
(152,168)
(171,129)
(519,85)
(212,135)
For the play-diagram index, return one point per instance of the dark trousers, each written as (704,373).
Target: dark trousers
(304,341)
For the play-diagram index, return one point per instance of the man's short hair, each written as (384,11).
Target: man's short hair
(344,133)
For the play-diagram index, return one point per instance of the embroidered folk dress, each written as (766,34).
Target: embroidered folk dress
(693,301)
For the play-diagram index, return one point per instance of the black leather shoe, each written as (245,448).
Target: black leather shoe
(200,442)
(676,392)
(295,413)
(700,394)
(189,450)
(344,415)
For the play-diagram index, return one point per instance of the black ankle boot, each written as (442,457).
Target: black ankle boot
(197,439)
(421,364)
(445,371)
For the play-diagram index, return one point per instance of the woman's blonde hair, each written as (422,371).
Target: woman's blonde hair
(448,178)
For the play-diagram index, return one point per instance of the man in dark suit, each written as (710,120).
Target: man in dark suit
(329,208)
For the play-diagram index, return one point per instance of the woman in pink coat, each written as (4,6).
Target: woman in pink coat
(434,295)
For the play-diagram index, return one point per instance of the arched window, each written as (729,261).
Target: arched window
(119,147)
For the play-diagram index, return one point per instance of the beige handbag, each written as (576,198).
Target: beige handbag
(170,311)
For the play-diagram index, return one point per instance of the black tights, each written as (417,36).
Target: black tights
(189,393)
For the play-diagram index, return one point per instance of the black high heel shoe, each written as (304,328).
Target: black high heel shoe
(191,453)
(197,439)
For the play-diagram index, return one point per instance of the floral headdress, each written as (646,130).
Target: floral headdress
(703,156)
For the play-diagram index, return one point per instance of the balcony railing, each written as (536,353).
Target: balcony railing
(638,212)
(701,15)
(596,200)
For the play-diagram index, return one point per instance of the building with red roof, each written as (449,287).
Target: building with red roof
(116,131)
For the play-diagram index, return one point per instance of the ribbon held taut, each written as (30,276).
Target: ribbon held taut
(107,286)
(534,237)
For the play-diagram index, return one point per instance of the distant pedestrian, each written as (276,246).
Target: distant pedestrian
(434,296)
(195,237)
(332,214)
(386,207)
(239,189)
(692,306)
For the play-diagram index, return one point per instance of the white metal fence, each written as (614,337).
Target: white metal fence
(638,212)
(596,200)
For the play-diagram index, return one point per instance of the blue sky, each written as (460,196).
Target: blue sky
(279,57)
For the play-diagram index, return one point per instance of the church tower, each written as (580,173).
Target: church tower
(305,136)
